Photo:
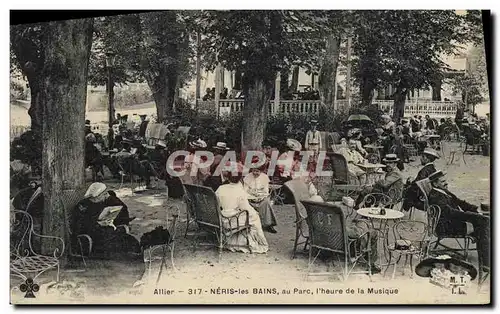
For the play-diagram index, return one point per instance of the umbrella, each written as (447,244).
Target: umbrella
(358,117)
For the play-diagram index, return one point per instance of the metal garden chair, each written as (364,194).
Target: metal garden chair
(300,191)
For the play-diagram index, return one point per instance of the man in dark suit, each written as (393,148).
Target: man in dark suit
(413,193)
(456,212)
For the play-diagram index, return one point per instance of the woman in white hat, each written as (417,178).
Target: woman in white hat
(105,218)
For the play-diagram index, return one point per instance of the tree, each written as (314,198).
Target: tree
(26,47)
(152,47)
(259,44)
(63,90)
(404,49)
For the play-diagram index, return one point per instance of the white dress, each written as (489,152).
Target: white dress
(233,199)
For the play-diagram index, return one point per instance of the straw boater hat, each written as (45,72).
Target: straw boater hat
(314,122)
(436,175)
(425,267)
(431,152)
(385,116)
(293,145)
(391,158)
(199,143)
(95,189)
(221,146)
(161,143)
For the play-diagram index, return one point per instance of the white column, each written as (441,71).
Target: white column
(217,87)
(277,87)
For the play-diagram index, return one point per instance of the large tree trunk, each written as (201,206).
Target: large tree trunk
(295,79)
(399,104)
(63,92)
(257,96)
(35,110)
(328,72)
(164,87)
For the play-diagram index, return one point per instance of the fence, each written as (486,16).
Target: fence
(435,109)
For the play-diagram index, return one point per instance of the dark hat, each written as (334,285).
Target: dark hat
(391,158)
(87,122)
(436,175)
(124,117)
(143,115)
(404,120)
(425,267)
(127,141)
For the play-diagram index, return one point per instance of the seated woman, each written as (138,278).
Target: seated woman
(96,215)
(233,199)
(256,184)
(353,157)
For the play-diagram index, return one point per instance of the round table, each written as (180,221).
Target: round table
(383,230)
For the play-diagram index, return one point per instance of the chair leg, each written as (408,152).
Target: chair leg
(388,263)
(296,242)
(395,265)
(411,266)
(172,256)
(306,243)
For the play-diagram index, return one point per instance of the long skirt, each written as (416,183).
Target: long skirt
(251,240)
(266,212)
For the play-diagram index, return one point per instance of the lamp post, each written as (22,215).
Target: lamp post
(110,62)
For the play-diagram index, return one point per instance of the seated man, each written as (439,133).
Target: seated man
(455,212)
(355,229)
(93,157)
(256,184)
(356,135)
(158,158)
(393,180)
(353,157)
(412,197)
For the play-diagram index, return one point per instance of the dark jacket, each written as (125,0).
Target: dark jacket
(448,202)
(425,172)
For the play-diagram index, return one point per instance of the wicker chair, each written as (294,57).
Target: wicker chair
(327,227)
(409,241)
(339,166)
(208,217)
(190,210)
(299,191)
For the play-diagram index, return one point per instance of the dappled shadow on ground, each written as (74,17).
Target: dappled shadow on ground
(200,268)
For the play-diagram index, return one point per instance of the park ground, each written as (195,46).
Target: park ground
(199,272)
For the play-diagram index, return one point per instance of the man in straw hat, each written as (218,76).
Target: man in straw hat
(256,184)
(393,180)
(105,218)
(313,138)
(413,194)
(456,212)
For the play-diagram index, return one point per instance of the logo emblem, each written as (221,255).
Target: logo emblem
(29,287)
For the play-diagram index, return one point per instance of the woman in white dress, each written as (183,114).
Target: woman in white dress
(233,199)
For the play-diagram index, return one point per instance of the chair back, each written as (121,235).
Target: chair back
(300,191)
(188,199)
(377,200)
(205,205)
(433,215)
(395,193)
(339,166)
(425,188)
(411,230)
(327,228)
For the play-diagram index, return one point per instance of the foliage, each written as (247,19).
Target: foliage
(17,90)
(404,48)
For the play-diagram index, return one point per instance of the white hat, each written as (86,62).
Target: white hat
(293,144)
(199,143)
(95,189)
(161,143)
(390,158)
(431,152)
(221,145)
(385,116)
